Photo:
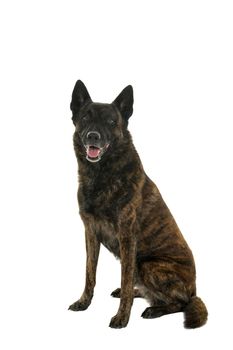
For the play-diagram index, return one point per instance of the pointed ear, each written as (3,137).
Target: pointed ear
(80,97)
(124,102)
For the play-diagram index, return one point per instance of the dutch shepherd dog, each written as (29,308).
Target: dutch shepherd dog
(123,209)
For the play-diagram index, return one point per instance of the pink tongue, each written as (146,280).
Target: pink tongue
(93,152)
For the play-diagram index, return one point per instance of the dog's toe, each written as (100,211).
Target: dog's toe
(119,321)
(116,293)
(78,306)
(152,312)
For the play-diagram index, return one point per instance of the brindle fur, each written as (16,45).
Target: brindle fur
(124,210)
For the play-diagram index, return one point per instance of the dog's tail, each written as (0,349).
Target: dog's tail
(195,313)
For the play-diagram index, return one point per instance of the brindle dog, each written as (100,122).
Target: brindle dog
(124,210)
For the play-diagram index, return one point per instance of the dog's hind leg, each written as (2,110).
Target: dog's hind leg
(164,288)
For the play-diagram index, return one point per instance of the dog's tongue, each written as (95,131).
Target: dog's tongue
(93,152)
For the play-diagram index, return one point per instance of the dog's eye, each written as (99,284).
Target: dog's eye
(111,122)
(85,117)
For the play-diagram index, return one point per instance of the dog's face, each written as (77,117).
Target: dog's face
(99,126)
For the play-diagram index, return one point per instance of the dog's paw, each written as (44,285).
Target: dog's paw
(116,293)
(79,306)
(119,321)
(152,312)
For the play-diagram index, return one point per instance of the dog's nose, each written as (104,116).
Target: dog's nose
(93,136)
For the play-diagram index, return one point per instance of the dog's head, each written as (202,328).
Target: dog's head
(99,126)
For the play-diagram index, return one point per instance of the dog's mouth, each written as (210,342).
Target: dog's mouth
(94,153)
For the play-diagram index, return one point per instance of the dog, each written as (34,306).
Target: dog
(123,209)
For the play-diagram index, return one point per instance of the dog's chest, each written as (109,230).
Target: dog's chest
(100,203)
(107,235)
(102,199)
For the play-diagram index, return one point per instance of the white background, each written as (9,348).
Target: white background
(178,56)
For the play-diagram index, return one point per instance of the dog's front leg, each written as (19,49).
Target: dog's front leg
(127,241)
(92,250)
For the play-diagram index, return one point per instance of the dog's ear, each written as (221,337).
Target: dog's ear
(124,102)
(80,97)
